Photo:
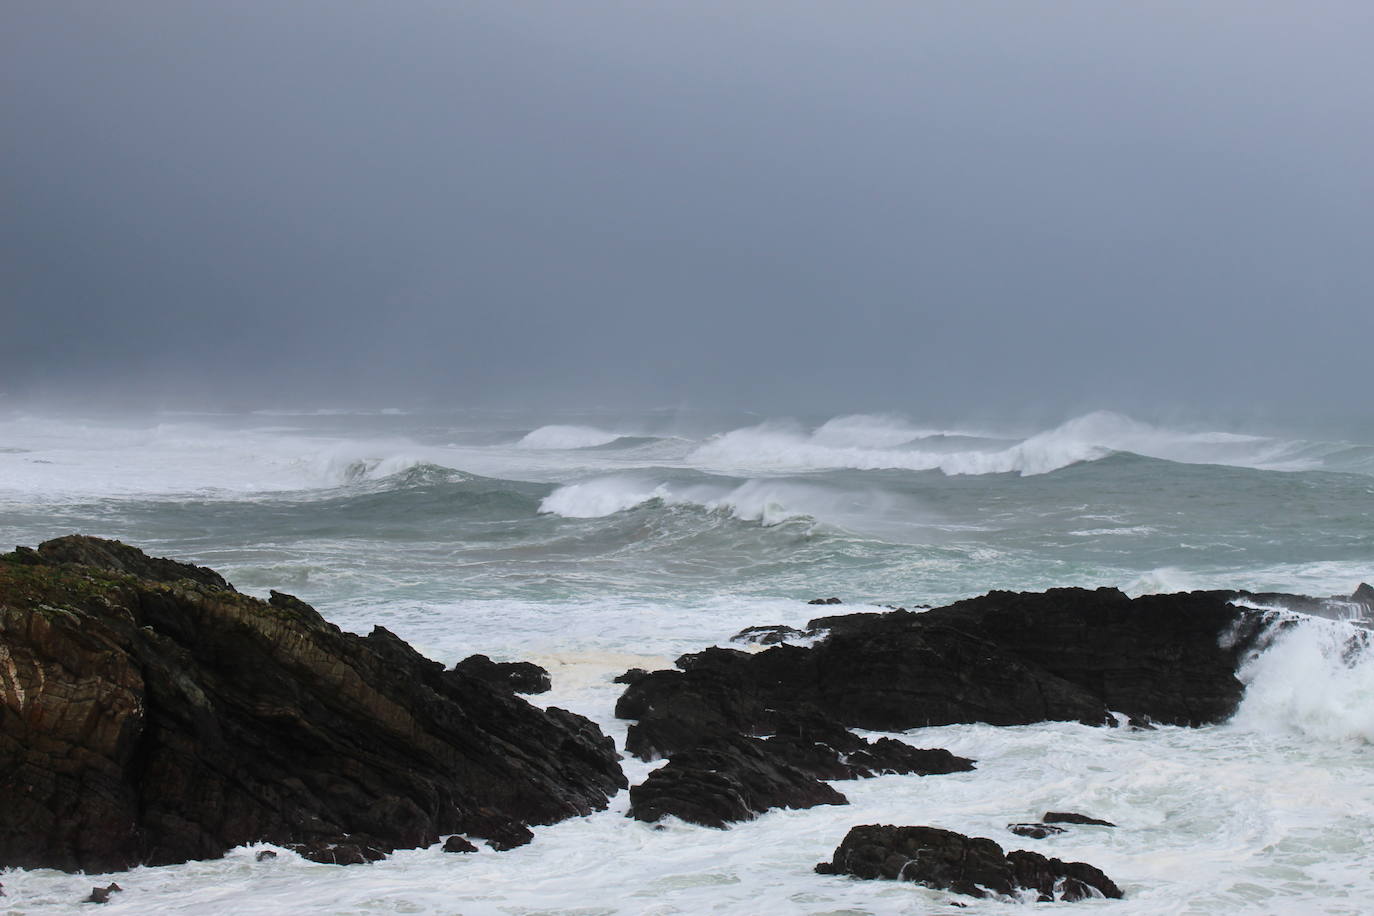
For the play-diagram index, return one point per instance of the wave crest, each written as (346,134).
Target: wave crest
(864,442)
(566,437)
(767,501)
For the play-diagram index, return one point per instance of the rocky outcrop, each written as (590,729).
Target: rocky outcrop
(150,714)
(1358,606)
(517,677)
(727,780)
(724,782)
(972,866)
(1004,659)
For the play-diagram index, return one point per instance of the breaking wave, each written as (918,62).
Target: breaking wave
(870,443)
(1315,679)
(766,501)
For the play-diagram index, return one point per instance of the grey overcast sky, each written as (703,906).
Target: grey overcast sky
(842,205)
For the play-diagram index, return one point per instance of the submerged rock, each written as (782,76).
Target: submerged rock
(768,634)
(1035,831)
(457,843)
(972,866)
(1069,817)
(149,714)
(343,850)
(102,894)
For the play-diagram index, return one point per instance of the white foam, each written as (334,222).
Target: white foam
(1316,679)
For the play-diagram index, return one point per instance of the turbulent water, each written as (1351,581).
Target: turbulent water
(597,541)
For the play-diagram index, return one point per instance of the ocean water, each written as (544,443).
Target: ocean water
(595,541)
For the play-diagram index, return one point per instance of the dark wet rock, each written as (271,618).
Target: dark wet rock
(829,751)
(1035,831)
(499,830)
(265,854)
(1005,659)
(114,556)
(825,601)
(456,843)
(724,782)
(768,635)
(1069,817)
(520,677)
(1358,605)
(972,866)
(633,676)
(343,850)
(155,720)
(735,778)
(102,894)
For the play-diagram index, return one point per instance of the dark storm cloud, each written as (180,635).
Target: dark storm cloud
(838,205)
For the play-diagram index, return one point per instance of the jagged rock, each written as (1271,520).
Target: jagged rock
(726,781)
(520,677)
(102,894)
(155,720)
(972,866)
(115,556)
(500,832)
(1069,817)
(343,850)
(633,676)
(1004,659)
(826,750)
(265,854)
(1358,605)
(456,843)
(1035,831)
(736,778)
(825,601)
(768,635)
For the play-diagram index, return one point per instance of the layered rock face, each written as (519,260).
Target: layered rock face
(150,714)
(1004,659)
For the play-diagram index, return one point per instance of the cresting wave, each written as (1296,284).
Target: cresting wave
(567,437)
(767,501)
(872,443)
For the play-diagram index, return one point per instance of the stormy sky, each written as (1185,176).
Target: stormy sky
(834,205)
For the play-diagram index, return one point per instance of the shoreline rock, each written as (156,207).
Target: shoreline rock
(972,866)
(1003,659)
(150,714)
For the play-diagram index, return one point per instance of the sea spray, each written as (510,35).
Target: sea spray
(1316,679)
